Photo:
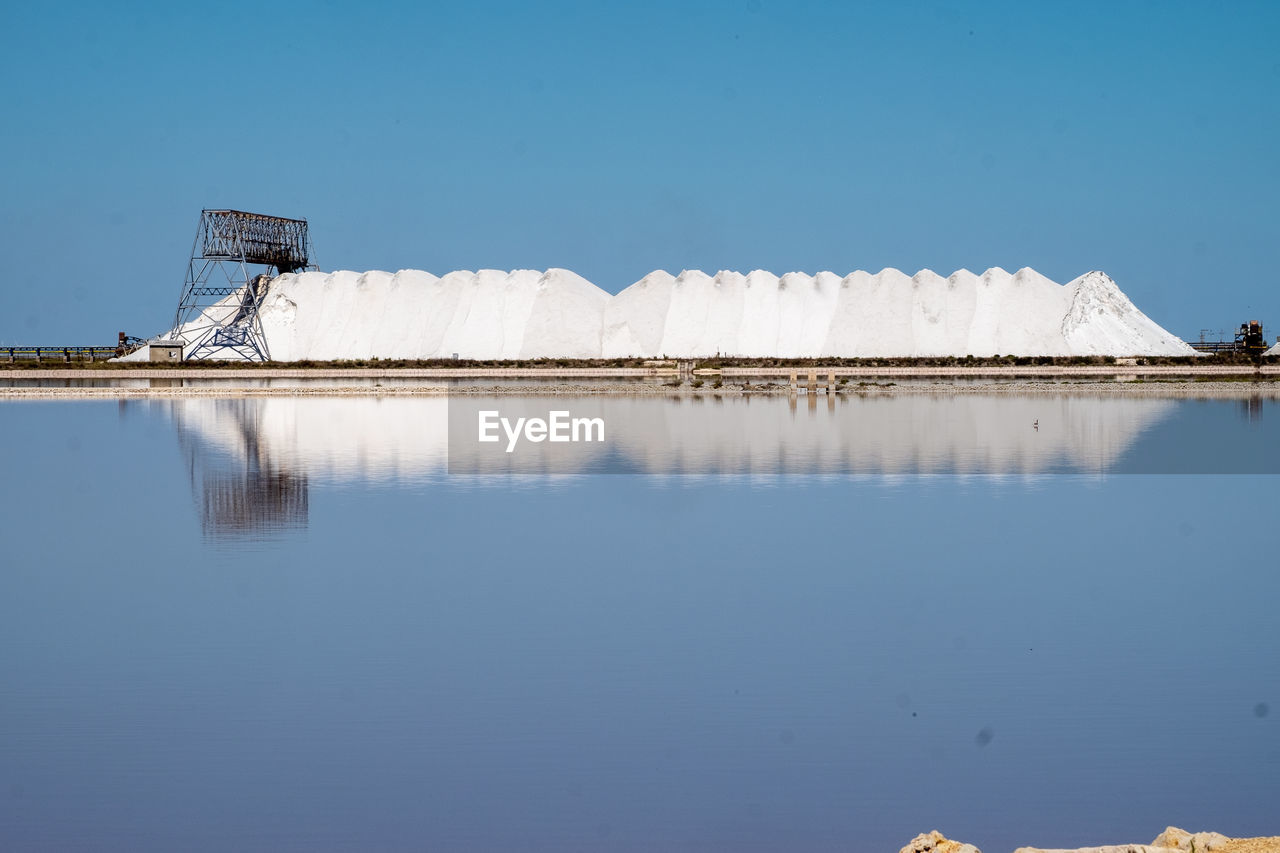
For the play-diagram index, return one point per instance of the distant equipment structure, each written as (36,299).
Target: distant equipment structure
(234,257)
(1249,339)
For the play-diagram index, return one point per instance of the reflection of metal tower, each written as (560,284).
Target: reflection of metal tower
(218,312)
(244,494)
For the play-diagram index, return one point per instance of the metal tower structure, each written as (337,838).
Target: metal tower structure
(234,257)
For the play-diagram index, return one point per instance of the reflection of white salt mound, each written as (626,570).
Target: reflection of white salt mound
(886,314)
(391,438)
(407,438)
(527,314)
(907,434)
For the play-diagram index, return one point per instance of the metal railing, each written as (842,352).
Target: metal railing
(58,353)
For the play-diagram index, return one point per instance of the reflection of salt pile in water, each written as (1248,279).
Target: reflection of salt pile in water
(528,314)
(342,439)
(407,438)
(916,434)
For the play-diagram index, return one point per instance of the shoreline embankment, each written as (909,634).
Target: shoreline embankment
(1216,382)
(1265,371)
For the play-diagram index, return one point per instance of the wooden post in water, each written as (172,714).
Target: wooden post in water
(831,382)
(813,381)
(793,382)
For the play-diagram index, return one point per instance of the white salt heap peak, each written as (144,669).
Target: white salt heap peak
(1102,321)
(556,314)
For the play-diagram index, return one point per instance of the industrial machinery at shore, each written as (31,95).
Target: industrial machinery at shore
(234,257)
(1249,339)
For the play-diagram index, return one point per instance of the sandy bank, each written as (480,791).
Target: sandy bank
(1172,840)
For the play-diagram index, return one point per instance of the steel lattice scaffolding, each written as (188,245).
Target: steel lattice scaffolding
(233,259)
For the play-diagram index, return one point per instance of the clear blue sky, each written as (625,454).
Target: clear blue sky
(613,139)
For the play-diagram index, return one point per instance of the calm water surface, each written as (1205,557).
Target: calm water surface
(328,624)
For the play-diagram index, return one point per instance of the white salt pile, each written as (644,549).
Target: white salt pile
(886,314)
(1275,350)
(413,314)
(528,314)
